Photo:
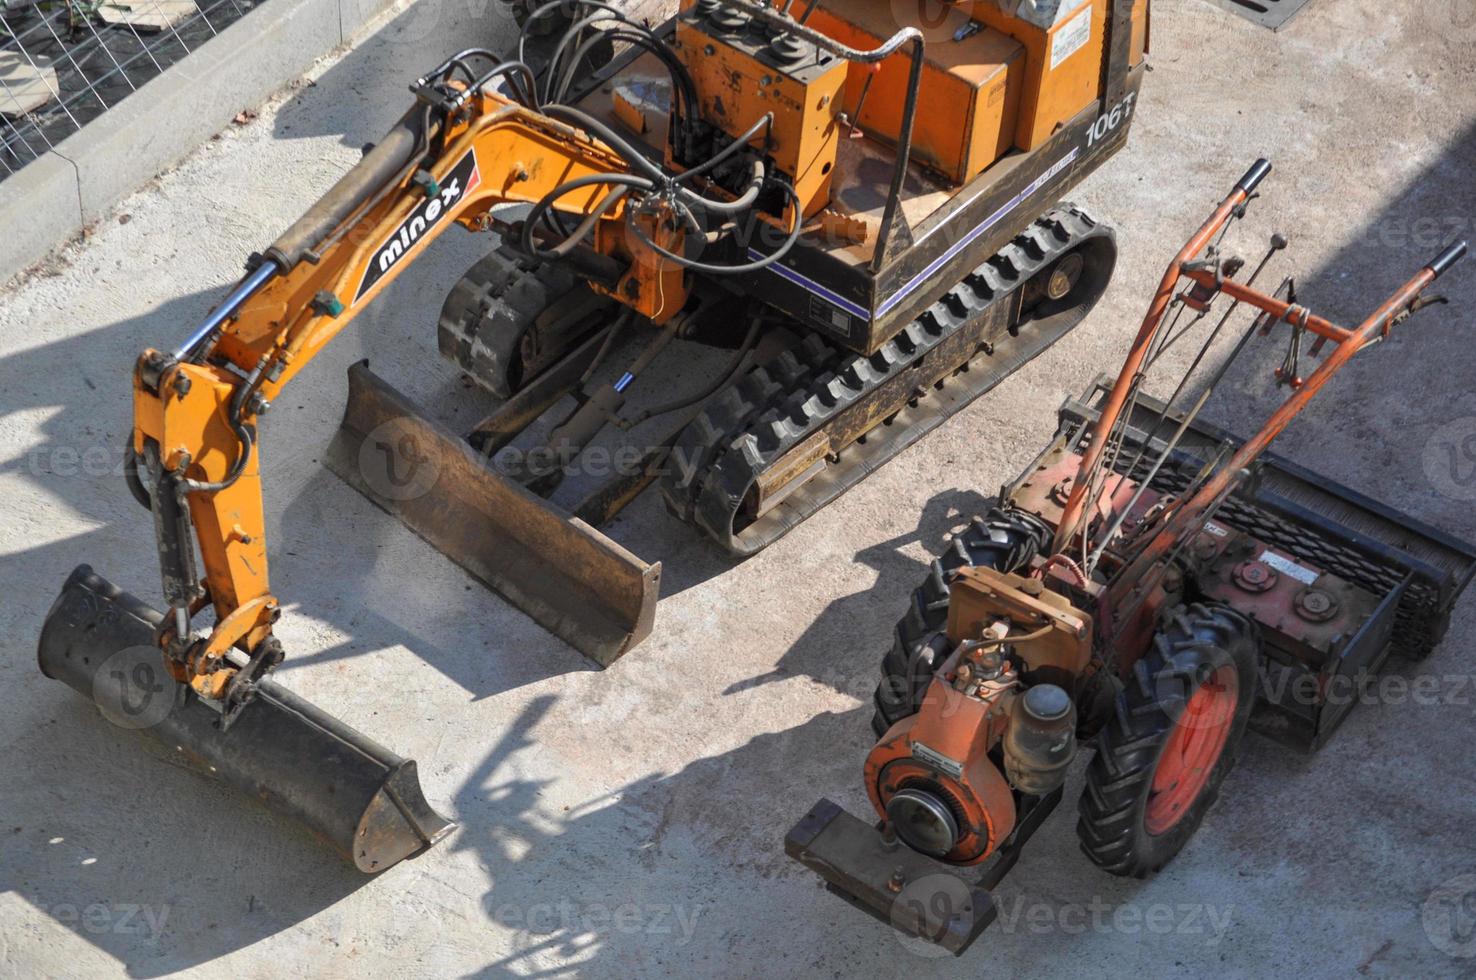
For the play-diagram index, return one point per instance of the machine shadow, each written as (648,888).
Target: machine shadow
(862,622)
(155,866)
(1372,427)
(88,806)
(689,843)
(360,96)
(589,916)
(666,899)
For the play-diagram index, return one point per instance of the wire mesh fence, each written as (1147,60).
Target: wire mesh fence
(65,62)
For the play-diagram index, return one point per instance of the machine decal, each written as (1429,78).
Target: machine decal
(979,229)
(811,286)
(823,314)
(933,757)
(1286,566)
(459,181)
(1071,38)
(1109,121)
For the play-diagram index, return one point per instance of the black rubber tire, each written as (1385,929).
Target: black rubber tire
(1193,643)
(1003,540)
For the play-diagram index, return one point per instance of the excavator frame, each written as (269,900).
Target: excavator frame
(874,327)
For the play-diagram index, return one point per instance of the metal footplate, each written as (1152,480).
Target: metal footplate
(904,889)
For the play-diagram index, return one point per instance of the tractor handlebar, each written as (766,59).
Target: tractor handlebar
(1448,258)
(1254,176)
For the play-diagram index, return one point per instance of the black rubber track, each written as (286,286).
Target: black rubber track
(1193,642)
(779,404)
(491,308)
(1004,540)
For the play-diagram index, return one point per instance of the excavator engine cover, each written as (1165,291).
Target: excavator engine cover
(359,797)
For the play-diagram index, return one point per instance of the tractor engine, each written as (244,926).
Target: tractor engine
(997,726)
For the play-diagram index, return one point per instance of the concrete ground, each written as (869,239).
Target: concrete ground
(629,822)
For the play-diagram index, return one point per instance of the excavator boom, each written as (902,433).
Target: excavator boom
(196,417)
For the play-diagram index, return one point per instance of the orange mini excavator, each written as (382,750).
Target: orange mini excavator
(862,216)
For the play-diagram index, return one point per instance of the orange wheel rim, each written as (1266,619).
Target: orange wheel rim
(1193,748)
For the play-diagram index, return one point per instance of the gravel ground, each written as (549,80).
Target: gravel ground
(630,822)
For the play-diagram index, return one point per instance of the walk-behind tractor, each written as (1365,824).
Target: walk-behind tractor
(1148,585)
(862,221)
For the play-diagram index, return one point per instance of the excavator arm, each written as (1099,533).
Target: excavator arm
(196,410)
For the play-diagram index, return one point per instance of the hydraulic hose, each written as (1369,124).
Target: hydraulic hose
(796,226)
(740,358)
(388,157)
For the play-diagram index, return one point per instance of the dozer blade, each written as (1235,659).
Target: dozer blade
(362,799)
(574,581)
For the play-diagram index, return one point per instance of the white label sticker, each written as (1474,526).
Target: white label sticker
(1286,566)
(1216,529)
(937,759)
(1071,38)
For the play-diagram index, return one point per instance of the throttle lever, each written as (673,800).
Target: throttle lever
(1419,303)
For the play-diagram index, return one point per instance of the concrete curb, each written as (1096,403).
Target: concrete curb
(82,177)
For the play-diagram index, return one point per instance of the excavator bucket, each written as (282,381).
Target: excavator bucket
(570,578)
(359,797)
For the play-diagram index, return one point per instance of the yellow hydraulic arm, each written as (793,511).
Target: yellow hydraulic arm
(196,410)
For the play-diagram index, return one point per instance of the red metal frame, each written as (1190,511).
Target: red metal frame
(1210,278)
